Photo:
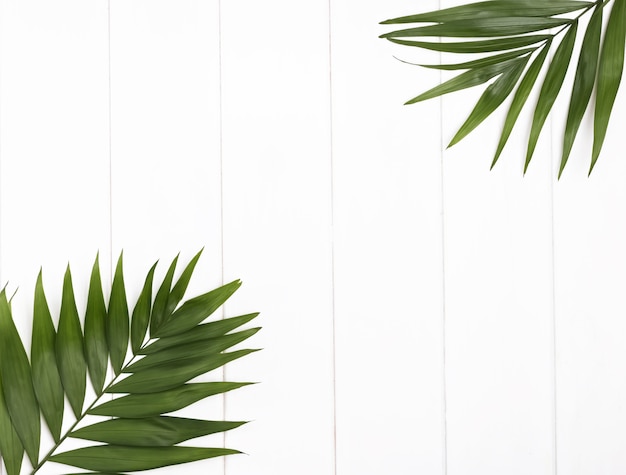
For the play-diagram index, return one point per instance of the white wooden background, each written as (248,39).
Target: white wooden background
(421,314)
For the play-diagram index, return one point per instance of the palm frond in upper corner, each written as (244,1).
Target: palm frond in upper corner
(514,39)
(168,344)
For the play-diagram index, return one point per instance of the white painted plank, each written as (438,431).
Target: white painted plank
(590,264)
(499,307)
(54,150)
(277,223)
(388,250)
(166,151)
(165,112)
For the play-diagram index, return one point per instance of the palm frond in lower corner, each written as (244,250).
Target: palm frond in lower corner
(522,33)
(169,345)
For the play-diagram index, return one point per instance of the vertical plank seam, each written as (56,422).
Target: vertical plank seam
(110,149)
(221,167)
(554,326)
(332,234)
(443,298)
(1,175)
(444,388)
(110,143)
(1,162)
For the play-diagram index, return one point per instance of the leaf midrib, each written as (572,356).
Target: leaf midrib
(85,412)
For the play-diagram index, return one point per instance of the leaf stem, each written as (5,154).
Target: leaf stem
(585,10)
(79,419)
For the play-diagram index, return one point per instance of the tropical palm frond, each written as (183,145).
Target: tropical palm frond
(523,33)
(168,345)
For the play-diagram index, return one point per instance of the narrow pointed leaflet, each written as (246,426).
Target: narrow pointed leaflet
(482,46)
(17,386)
(117,322)
(160,431)
(550,89)
(494,9)
(141,313)
(610,71)
(519,99)
(491,99)
(96,349)
(11,449)
(584,81)
(147,405)
(159,307)
(46,379)
(69,348)
(130,459)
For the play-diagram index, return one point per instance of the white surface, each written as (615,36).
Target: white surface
(388,254)
(411,300)
(499,344)
(277,230)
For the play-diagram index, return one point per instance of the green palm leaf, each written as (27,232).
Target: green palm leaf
(46,379)
(147,405)
(482,46)
(196,310)
(495,9)
(609,74)
(160,431)
(190,350)
(583,83)
(525,29)
(519,99)
(117,321)
(482,27)
(17,386)
(151,380)
(206,331)
(479,63)
(159,307)
(70,348)
(140,436)
(141,313)
(11,447)
(96,349)
(550,88)
(471,78)
(131,459)
(491,99)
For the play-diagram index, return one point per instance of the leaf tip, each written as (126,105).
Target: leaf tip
(594,159)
